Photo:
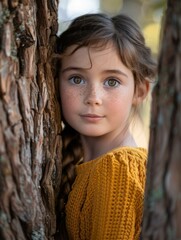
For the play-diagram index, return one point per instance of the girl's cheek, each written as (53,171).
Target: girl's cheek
(75,91)
(71,95)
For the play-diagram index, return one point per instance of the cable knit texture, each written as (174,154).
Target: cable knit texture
(106,201)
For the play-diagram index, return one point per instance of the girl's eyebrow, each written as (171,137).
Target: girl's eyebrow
(72,69)
(116,71)
(110,71)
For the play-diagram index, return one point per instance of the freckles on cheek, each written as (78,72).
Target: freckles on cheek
(74,92)
(69,96)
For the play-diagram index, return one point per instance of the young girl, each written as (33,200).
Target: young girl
(105,69)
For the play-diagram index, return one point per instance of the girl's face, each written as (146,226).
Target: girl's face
(97,91)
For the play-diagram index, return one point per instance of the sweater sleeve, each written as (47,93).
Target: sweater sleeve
(118,197)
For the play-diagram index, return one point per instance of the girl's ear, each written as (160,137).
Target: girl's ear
(141,92)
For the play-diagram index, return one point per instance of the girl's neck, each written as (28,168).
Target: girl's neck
(94,147)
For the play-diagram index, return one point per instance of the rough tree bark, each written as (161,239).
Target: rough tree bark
(30,146)
(162,214)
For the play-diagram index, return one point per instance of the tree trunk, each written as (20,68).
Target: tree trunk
(162,214)
(30,146)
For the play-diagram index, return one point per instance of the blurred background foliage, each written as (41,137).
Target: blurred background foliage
(149,14)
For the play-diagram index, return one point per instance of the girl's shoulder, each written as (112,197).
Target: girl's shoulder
(131,151)
(119,165)
(129,157)
(132,159)
(126,164)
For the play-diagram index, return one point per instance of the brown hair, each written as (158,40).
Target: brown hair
(97,30)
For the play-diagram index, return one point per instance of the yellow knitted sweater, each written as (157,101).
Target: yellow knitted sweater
(106,201)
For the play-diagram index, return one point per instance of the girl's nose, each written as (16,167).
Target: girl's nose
(93,96)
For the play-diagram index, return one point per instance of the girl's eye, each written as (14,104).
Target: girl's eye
(112,82)
(76,80)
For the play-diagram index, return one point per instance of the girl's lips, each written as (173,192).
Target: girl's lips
(91,117)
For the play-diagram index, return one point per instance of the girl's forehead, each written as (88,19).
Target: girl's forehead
(84,54)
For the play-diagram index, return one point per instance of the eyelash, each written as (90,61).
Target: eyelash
(106,82)
(71,79)
(115,81)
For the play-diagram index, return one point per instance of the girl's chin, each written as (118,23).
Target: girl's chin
(91,133)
